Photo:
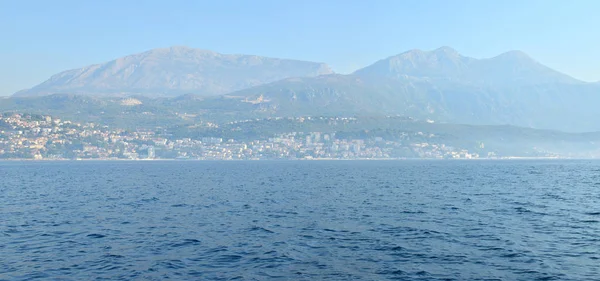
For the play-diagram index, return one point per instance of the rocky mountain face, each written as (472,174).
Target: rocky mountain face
(175,71)
(441,85)
(446,64)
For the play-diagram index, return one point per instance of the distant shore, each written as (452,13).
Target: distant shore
(301,159)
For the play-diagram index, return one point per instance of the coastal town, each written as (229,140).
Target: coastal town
(40,137)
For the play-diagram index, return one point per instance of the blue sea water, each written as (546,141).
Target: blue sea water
(300,220)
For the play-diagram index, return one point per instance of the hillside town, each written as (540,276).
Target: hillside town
(39,137)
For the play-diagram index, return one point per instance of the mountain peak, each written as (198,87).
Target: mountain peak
(517,67)
(181,47)
(441,51)
(410,53)
(181,50)
(515,55)
(445,63)
(446,51)
(176,70)
(441,55)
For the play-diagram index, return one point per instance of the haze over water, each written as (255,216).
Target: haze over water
(296,220)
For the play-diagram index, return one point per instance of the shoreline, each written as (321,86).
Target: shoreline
(301,159)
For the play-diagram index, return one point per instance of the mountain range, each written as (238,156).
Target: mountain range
(175,71)
(441,85)
(446,64)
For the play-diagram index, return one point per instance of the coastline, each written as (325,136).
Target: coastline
(299,159)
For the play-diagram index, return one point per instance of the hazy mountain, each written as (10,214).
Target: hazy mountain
(443,85)
(447,64)
(338,95)
(440,85)
(443,63)
(175,71)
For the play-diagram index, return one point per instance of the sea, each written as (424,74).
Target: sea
(300,220)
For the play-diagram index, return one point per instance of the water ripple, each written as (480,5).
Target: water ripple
(374,220)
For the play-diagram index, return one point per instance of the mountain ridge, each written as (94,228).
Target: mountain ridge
(511,88)
(173,71)
(121,76)
(445,63)
(441,85)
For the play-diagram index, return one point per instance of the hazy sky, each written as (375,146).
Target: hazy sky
(41,38)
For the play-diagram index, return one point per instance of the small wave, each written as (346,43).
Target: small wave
(554,196)
(391,248)
(492,249)
(185,242)
(593,213)
(512,255)
(522,210)
(171,264)
(228,258)
(547,278)
(261,229)
(179,205)
(113,256)
(96,235)
(394,272)
(412,212)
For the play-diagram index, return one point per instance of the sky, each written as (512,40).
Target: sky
(39,38)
